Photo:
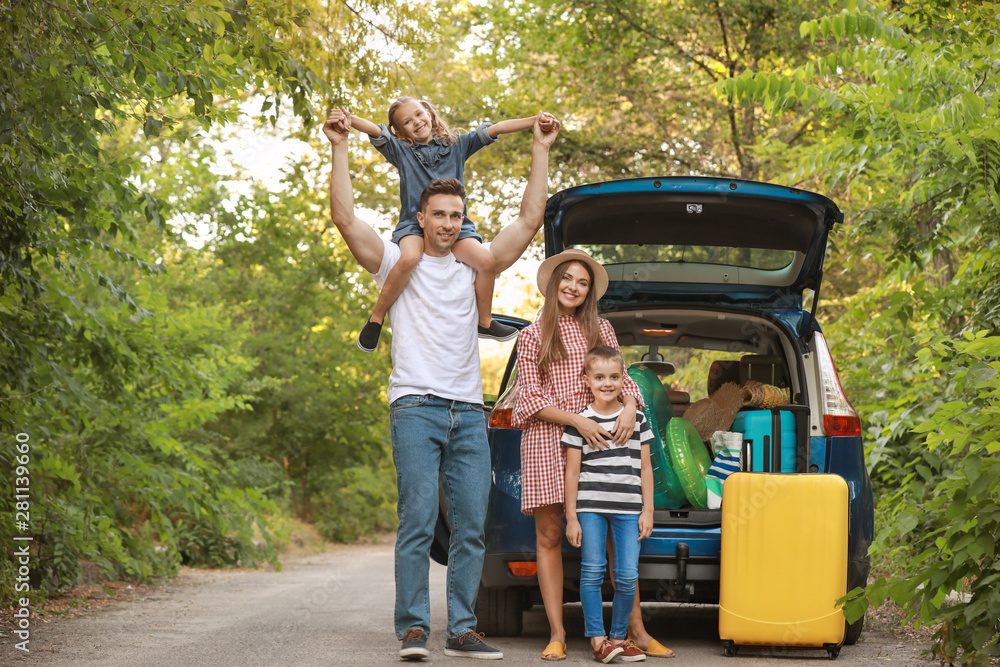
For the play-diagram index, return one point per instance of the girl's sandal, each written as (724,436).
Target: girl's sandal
(554,651)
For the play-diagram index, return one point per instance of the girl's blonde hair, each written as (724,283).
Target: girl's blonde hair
(551,349)
(439,128)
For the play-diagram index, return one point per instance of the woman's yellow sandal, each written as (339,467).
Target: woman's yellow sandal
(554,651)
(657,650)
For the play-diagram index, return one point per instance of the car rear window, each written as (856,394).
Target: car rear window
(767,259)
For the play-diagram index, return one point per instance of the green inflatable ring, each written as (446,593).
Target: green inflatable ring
(667,489)
(689,459)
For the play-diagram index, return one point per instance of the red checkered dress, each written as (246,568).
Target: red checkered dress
(543,461)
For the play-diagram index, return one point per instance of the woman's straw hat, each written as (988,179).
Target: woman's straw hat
(572,254)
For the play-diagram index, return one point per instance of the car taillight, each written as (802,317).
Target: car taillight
(503,411)
(500,418)
(525,568)
(839,416)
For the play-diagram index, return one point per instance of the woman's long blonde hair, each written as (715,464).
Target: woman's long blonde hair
(439,128)
(551,349)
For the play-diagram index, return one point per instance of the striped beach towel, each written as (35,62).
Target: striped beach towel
(727,461)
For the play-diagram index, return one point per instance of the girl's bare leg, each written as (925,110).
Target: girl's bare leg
(472,253)
(411,248)
(548,547)
(636,628)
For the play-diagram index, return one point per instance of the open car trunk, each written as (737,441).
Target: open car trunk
(711,346)
(697,240)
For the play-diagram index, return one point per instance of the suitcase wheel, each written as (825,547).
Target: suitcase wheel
(730,649)
(833,652)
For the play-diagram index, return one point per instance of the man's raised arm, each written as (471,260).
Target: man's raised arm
(363,242)
(513,240)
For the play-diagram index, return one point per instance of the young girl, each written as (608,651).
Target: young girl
(551,393)
(422,147)
(608,490)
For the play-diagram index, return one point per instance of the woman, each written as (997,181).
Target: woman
(551,393)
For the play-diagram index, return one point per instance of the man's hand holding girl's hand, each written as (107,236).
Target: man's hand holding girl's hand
(546,128)
(337,126)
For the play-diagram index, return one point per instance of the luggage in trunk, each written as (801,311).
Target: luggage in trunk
(775,440)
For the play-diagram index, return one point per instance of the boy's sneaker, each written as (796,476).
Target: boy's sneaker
(497,331)
(414,645)
(471,645)
(631,652)
(607,652)
(368,338)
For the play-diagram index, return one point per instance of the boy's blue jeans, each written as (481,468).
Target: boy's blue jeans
(435,438)
(593,554)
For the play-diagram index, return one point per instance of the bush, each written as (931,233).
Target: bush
(356,502)
(945,513)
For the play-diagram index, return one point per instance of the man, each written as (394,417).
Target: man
(435,390)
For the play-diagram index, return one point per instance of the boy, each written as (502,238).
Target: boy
(610,488)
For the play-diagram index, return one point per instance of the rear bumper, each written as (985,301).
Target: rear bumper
(674,565)
(497,574)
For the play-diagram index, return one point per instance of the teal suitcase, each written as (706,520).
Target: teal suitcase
(775,440)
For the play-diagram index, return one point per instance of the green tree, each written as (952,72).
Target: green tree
(120,460)
(112,391)
(633,83)
(76,74)
(319,407)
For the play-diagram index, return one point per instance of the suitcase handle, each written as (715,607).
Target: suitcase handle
(801,415)
(775,442)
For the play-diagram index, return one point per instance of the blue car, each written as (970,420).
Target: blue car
(711,280)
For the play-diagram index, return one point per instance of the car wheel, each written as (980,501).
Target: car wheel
(853,632)
(499,610)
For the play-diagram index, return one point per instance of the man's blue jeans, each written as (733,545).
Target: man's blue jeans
(435,438)
(593,561)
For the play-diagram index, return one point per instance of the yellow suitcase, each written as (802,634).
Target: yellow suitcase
(783,561)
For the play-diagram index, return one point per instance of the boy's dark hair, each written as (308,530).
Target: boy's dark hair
(441,186)
(605,352)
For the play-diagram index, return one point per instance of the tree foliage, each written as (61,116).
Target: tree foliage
(319,405)
(79,78)
(176,395)
(113,387)
(945,512)
(633,83)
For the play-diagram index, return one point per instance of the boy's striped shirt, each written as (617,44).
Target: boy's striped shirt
(610,479)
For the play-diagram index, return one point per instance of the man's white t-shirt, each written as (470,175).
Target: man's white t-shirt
(435,346)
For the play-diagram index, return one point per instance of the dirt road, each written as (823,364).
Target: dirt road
(335,608)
